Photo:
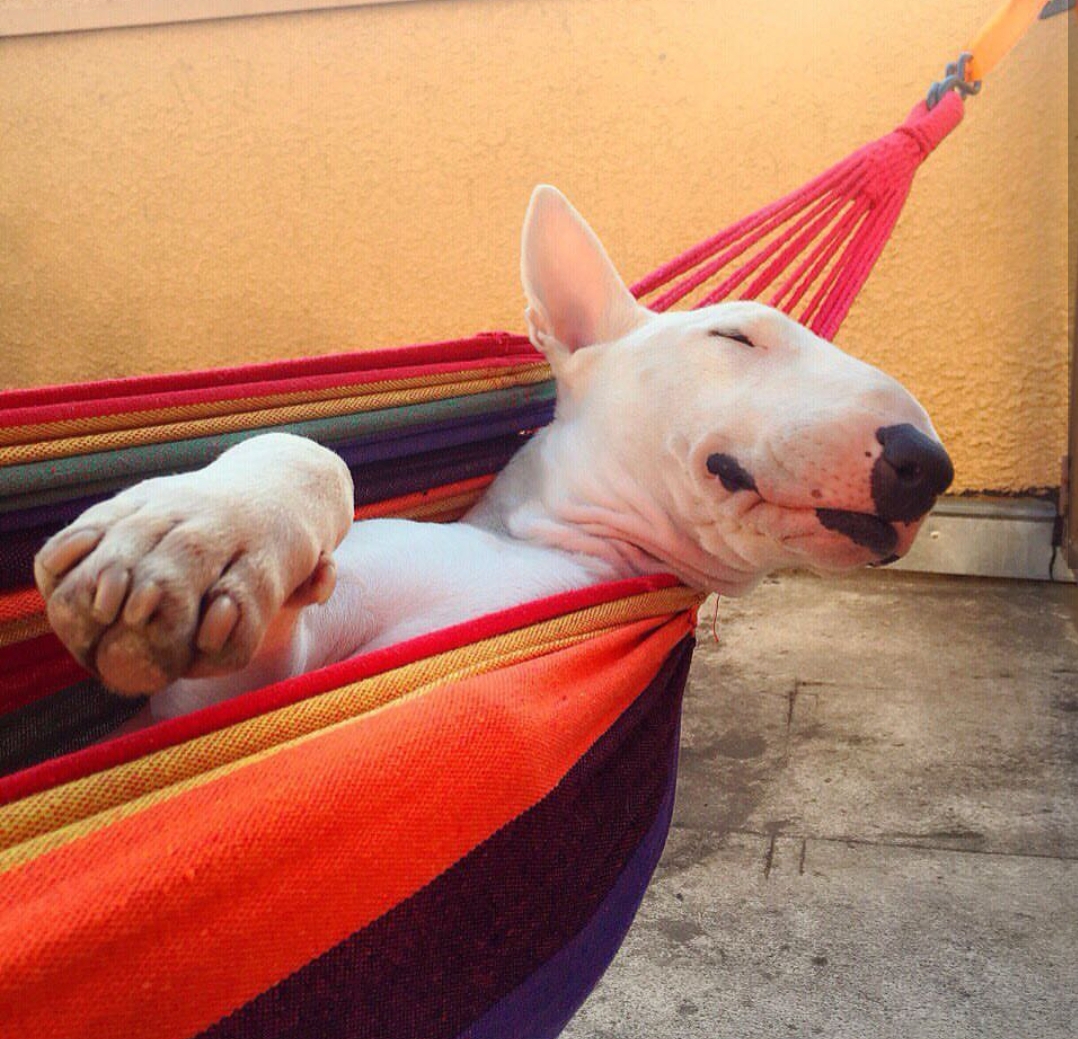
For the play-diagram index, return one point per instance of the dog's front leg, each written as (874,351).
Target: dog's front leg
(184,576)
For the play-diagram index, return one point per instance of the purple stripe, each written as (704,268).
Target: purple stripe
(393,444)
(544,1004)
(45,515)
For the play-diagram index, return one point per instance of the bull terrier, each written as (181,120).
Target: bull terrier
(718,444)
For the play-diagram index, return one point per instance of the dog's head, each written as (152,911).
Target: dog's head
(741,442)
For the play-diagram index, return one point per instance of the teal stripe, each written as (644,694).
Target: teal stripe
(36,482)
(59,495)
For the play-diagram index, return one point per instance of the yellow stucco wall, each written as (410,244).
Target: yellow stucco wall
(221,192)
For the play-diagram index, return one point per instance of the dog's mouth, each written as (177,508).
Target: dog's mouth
(863,529)
(886,541)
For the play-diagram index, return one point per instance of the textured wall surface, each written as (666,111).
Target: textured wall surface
(214,193)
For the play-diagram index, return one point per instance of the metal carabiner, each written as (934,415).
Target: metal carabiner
(954,78)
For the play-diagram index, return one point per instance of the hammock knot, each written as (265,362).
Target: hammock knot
(927,127)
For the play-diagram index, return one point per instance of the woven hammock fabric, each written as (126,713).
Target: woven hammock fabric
(445,838)
(289,832)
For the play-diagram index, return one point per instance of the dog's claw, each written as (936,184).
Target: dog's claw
(112,585)
(141,604)
(218,623)
(55,559)
(319,585)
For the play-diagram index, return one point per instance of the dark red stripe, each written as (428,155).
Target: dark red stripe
(437,962)
(65,721)
(34,669)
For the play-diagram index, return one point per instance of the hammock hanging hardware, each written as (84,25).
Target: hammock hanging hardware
(954,78)
(1054,7)
(994,41)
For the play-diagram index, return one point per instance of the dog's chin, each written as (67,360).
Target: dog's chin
(864,529)
(824,540)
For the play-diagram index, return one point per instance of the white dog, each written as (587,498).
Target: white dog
(717,444)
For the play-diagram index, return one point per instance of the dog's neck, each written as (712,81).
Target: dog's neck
(558,495)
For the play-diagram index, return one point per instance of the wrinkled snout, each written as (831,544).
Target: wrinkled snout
(867,487)
(909,475)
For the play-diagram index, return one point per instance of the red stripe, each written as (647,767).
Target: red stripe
(42,679)
(190,726)
(23,654)
(295,384)
(162,389)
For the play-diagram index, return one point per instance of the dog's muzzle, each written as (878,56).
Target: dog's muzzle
(907,477)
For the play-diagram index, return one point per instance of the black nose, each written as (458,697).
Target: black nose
(912,471)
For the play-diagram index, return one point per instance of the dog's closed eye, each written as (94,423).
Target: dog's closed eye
(738,337)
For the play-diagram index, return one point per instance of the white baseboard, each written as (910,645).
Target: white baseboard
(989,537)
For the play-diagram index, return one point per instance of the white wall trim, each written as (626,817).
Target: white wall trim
(38,17)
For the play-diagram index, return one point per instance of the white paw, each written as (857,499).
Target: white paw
(180,577)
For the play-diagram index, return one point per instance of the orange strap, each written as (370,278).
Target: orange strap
(999,34)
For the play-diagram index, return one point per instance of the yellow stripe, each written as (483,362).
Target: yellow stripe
(34,431)
(65,447)
(22,629)
(442,511)
(52,818)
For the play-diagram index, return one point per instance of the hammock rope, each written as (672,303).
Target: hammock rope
(443,839)
(810,252)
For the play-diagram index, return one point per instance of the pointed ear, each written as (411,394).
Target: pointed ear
(575,296)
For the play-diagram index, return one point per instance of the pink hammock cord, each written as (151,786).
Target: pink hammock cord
(810,252)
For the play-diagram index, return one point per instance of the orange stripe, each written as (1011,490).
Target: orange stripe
(23,628)
(20,604)
(999,34)
(406,503)
(165,921)
(58,815)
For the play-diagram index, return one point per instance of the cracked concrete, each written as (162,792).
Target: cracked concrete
(876,832)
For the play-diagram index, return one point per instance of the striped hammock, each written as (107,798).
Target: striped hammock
(445,838)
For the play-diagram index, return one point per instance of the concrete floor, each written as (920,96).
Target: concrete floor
(876,832)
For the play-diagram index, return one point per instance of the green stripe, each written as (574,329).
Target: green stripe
(21,485)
